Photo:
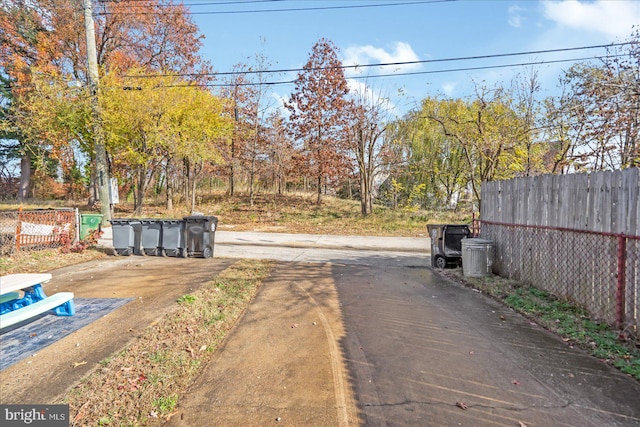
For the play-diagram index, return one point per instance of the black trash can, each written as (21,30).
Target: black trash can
(446,243)
(173,238)
(151,237)
(199,235)
(124,236)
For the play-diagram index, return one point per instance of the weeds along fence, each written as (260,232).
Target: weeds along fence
(575,236)
(36,229)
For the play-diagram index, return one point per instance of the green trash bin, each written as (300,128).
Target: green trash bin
(89,223)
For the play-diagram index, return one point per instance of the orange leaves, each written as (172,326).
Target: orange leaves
(317,119)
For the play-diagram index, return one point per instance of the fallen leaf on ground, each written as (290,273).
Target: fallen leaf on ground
(462,405)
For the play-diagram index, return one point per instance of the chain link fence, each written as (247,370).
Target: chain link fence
(597,271)
(36,229)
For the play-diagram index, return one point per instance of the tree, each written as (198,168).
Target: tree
(48,35)
(595,123)
(281,151)
(564,135)
(52,120)
(317,116)
(161,121)
(487,130)
(367,114)
(524,102)
(251,106)
(236,92)
(22,29)
(437,159)
(200,129)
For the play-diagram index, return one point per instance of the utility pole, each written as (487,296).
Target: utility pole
(102,168)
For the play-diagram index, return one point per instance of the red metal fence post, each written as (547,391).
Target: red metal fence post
(621,288)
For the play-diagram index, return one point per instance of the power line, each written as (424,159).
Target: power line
(289,9)
(382,64)
(413,73)
(203,3)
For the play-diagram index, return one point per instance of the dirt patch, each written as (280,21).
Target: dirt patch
(154,283)
(143,383)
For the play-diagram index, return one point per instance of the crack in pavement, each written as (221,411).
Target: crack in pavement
(467,405)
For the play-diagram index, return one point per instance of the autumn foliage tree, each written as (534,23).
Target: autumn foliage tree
(48,36)
(158,123)
(317,118)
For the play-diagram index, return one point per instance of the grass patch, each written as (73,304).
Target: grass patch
(141,385)
(291,213)
(45,260)
(562,317)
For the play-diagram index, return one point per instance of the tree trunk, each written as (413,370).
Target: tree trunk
(140,191)
(25,177)
(319,199)
(363,195)
(193,195)
(196,172)
(187,179)
(251,180)
(231,168)
(169,185)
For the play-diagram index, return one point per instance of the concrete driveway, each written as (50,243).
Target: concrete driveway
(351,336)
(422,350)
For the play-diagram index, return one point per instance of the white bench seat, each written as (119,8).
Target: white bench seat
(62,303)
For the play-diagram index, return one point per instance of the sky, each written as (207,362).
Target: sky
(389,31)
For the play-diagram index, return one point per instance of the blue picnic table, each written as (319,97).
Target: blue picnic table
(22,298)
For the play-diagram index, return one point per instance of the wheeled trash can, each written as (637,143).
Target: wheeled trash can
(446,243)
(199,235)
(173,238)
(151,236)
(124,236)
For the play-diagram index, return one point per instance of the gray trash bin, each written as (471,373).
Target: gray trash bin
(151,236)
(199,235)
(173,238)
(446,248)
(124,239)
(477,257)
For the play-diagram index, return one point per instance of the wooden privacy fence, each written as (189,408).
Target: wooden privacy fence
(576,236)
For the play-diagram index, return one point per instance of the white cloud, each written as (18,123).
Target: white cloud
(516,16)
(449,88)
(365,55)
(613,18)
(371,96)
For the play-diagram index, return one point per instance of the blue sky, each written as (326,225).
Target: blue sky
(381,31)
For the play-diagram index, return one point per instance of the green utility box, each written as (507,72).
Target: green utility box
(89,223)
